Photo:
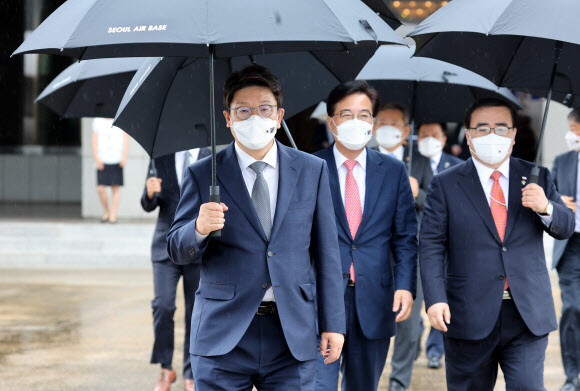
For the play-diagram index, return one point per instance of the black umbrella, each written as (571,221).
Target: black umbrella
(435,91)
(92,88)
(529,45)
(208,29)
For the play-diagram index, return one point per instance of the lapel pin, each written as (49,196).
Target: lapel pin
(447,164)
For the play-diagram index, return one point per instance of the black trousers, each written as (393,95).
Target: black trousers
(472,365)
(166,275)
(569,274)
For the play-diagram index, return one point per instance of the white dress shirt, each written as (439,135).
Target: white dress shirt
(180,159)
(271,175)
(397,153)
(435,161)
(484,172)
(577,228)
(359,173)
(110,141)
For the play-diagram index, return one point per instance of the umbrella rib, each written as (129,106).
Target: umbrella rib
(326,67)
(500,83)
(161,110)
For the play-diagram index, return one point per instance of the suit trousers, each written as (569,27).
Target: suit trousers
(166,275)
(408,342)
(362,360)
(435,343)
(261,359)
(472,365)
(569,275)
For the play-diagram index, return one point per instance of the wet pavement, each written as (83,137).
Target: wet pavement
(92,330)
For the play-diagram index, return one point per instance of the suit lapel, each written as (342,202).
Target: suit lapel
(230,176)
(289,171)
(339,210)
(574,165)
(471,186)
(375,173)
(516,183)
(444,163)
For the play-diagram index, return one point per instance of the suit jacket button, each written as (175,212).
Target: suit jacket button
(264,285)
(270,254)
(504,249)
(344,275)
(191,251)
(501,277)
(353,247)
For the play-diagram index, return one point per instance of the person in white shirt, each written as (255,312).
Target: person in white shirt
(110,147)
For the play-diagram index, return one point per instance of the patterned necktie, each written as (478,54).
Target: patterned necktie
(498,209)
(187,161)
(261,197)
(352,205)
(434,166)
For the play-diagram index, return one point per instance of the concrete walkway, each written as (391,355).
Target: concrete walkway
(92,330)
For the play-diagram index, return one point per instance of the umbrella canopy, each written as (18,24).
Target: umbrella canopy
(530,45)
(165,106)
(92,88)
(510,42)
(435,91)
(88,29)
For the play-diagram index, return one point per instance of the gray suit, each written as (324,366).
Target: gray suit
(567,261)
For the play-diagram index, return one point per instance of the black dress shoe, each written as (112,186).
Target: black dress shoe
(396,386)
(571,385)
(434,362)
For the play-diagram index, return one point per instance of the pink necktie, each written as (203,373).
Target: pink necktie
(498,209)
(352,205)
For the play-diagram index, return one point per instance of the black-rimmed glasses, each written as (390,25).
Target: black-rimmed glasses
(485,130)
(243,113)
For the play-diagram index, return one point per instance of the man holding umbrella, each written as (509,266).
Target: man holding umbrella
(254,318)
(375,215)
(483,270)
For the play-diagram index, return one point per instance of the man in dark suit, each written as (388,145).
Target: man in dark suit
(375,215)
(254,318)
(567,255)
(166,274)
(391,130)
(484,274)
(432,138)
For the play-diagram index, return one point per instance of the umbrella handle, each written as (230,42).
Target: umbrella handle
(153,173)
(214,196)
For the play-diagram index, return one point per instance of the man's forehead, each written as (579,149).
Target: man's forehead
(492,115)
(390,114)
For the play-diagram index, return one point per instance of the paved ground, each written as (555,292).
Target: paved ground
(91,330)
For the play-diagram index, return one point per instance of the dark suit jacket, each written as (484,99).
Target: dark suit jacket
(238,267)
(464,263)
(565,173)
(167,202)
(389,223)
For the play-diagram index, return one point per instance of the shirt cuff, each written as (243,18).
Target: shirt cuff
(199,238)
(547,220)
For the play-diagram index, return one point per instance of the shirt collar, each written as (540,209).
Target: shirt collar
(485,172)
(340,158)
(437,158)
(399,152)
(245,160)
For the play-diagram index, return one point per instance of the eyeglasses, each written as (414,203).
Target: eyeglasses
(347,115)
(485,130)
(264,111)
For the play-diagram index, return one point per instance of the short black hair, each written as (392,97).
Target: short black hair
(352,87)
(489,102)
(443,126)
(399,107)
(252,76)
(574,115)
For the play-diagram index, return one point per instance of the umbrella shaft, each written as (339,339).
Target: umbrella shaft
(212,114)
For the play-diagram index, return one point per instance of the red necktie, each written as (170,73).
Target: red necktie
(498,209)
(352,205)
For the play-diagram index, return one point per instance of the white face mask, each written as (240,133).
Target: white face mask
(255,132)
(430,146)
(388,136)
(354,134)
(491,149)
(573,141)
